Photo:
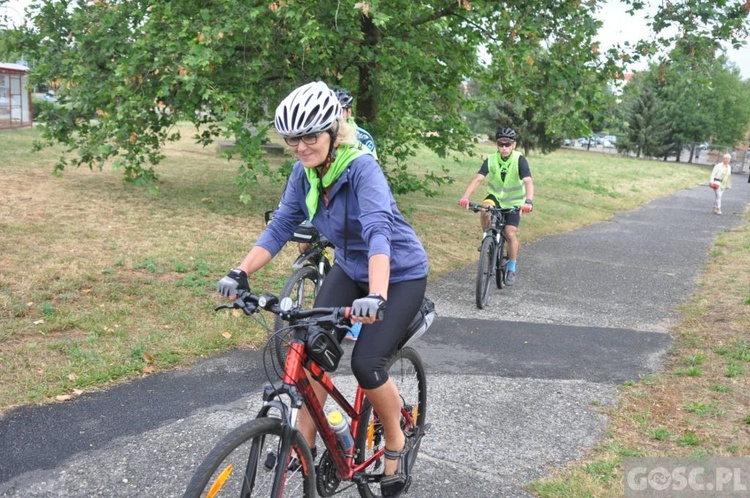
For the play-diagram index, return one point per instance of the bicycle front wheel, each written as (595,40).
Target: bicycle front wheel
(246,463)
(484,271)
(407,372)
(501,262)
(302,288)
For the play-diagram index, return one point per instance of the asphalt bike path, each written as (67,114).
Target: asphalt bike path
(514,389)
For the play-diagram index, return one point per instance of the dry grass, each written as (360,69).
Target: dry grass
(102,282)
(700,404)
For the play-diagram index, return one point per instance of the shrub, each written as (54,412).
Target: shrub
(41,108)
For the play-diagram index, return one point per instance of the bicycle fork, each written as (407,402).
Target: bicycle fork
(495,265)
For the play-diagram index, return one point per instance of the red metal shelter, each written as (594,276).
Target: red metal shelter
(15,99)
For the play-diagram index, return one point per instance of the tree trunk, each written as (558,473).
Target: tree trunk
(367,101)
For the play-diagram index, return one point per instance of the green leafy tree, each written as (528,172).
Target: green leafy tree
(126,71)
(702,100)
(546,79)
(730,105)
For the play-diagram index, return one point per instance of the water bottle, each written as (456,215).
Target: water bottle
(340,426)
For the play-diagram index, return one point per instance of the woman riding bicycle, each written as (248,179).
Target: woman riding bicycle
(379,260)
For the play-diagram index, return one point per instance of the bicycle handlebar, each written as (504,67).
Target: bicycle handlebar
(481,207)
(250,303)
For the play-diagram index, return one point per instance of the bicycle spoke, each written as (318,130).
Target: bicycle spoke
(246,462)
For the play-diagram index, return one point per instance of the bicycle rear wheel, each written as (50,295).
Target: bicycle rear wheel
(501,262)
(302,288)
(245,464)
(407,371)
(484,271)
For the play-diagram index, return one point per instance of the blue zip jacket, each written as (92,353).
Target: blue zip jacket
(361,220)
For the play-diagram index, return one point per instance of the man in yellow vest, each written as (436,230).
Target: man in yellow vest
(510,186)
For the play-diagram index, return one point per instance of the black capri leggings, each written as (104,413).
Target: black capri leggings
(377,342)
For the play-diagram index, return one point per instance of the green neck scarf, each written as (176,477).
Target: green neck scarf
(345,155)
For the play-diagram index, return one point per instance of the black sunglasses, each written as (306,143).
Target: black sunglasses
(504,144)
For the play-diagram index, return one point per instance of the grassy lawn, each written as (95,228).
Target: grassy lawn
(101,282)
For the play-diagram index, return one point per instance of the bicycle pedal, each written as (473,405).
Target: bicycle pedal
(426,429)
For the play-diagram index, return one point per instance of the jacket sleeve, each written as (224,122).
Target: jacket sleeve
(375,205)
(289,214)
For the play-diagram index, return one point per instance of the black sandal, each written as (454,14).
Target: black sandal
(394,485)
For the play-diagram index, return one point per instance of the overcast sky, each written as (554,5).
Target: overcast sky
(618,27)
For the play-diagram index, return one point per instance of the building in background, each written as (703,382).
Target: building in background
(15,99)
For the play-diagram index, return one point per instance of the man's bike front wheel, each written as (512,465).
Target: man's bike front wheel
(502,263)
(485,268)
(247,463)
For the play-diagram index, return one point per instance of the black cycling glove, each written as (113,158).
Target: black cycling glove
(233,282)
(372,305)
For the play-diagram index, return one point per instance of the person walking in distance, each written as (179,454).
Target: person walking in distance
(380,264)
(720,180)
(510,186)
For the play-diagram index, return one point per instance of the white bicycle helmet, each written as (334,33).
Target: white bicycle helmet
(311,108)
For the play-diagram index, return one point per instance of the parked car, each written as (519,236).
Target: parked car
(583,141)
(568,142)
(611,138)
(607,144)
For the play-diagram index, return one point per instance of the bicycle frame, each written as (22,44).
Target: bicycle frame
(497,224)
(298,387)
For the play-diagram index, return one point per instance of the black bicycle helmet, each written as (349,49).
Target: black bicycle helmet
(345,98)
(505,133)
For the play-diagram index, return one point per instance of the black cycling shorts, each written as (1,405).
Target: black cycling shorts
(377,342)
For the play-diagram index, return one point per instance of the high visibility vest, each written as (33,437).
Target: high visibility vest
(511,192)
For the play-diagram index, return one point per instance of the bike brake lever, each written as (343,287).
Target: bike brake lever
(247,308)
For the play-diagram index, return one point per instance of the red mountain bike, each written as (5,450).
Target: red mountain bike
(268,456)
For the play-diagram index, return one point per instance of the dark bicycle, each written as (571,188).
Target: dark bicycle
(493,253)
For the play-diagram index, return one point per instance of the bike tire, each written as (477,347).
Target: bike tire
(251,447)
(302,288)
(407,371)
(501,262)
(484,271)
